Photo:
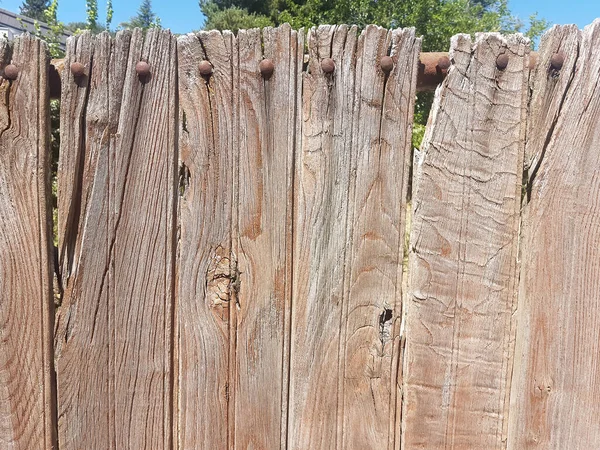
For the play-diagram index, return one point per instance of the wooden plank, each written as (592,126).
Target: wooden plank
(372,312)
(267,139)
(557,381)
(463,251)
(321,196)
(114,328)
(206,266)
(27,397)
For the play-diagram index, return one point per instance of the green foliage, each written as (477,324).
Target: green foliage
(34,9)
(109,14)
(232,18)
(144,19)
(91,9)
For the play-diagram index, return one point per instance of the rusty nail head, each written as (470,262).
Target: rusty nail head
(77,69)
(327,65)
(266,67)
(206,68)
(387,64)
(11,72)
(143,69)
(502,61)
(444,63)
(557,60)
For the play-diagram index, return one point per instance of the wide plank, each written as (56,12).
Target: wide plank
(27,397)
(463,250)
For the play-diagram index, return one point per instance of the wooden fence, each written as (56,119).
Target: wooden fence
(260,261)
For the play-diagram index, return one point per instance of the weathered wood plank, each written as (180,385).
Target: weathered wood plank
(322,185)
(118,189)
(463,251)
(267,139)
(207,267)
(371,323)
(27,400)
(557,381)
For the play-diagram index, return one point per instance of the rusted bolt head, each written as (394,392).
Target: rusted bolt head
(77,69)
(502,61)
(11,72)
(206,68)
(327,65)
(387,64)
(557,60)
(266,68)
(444,63)
(143,69)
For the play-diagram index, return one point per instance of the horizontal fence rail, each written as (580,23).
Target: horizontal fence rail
(250,254)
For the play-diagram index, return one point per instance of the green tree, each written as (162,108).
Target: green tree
(144,19)
(109,14)
(34,9)
(91,9)
(232,18)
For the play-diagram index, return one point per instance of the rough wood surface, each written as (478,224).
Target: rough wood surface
(463,251)
(27,400)
(207,267)
(117,191)
(381,148)
(557,382)
(267,140)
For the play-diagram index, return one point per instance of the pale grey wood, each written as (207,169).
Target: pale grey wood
(381,145)
(207,267)
(463,251)
(27,398)
(557,382)
(266,142)
(321,196)
(118,189)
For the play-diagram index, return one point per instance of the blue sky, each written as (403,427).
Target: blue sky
(182,16)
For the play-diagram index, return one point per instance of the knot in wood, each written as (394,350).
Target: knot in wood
(11,72)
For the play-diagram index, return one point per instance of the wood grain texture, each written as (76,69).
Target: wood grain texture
(27,400)
(372,310)
(463,251)
(117,192)
(267,140)
(207,267)
(557,382)
(322,184)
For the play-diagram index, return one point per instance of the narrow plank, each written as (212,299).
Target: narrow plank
(463,251)
(27,398)
(266,133)
(321,197)
(117,243)
(382,144)
(207,267)
(557,381)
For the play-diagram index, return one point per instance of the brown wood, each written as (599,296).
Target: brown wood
(267,140)
(463,251)
(207,267)
(372,310)
(117,191)
(557,381)
(27,397)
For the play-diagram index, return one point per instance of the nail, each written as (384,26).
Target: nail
(77,69)
(11,72)
(266,67)
(206,68)
(387,64)
(502,61)
(143,69)
(327,65)
(444,63)
(557,60)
